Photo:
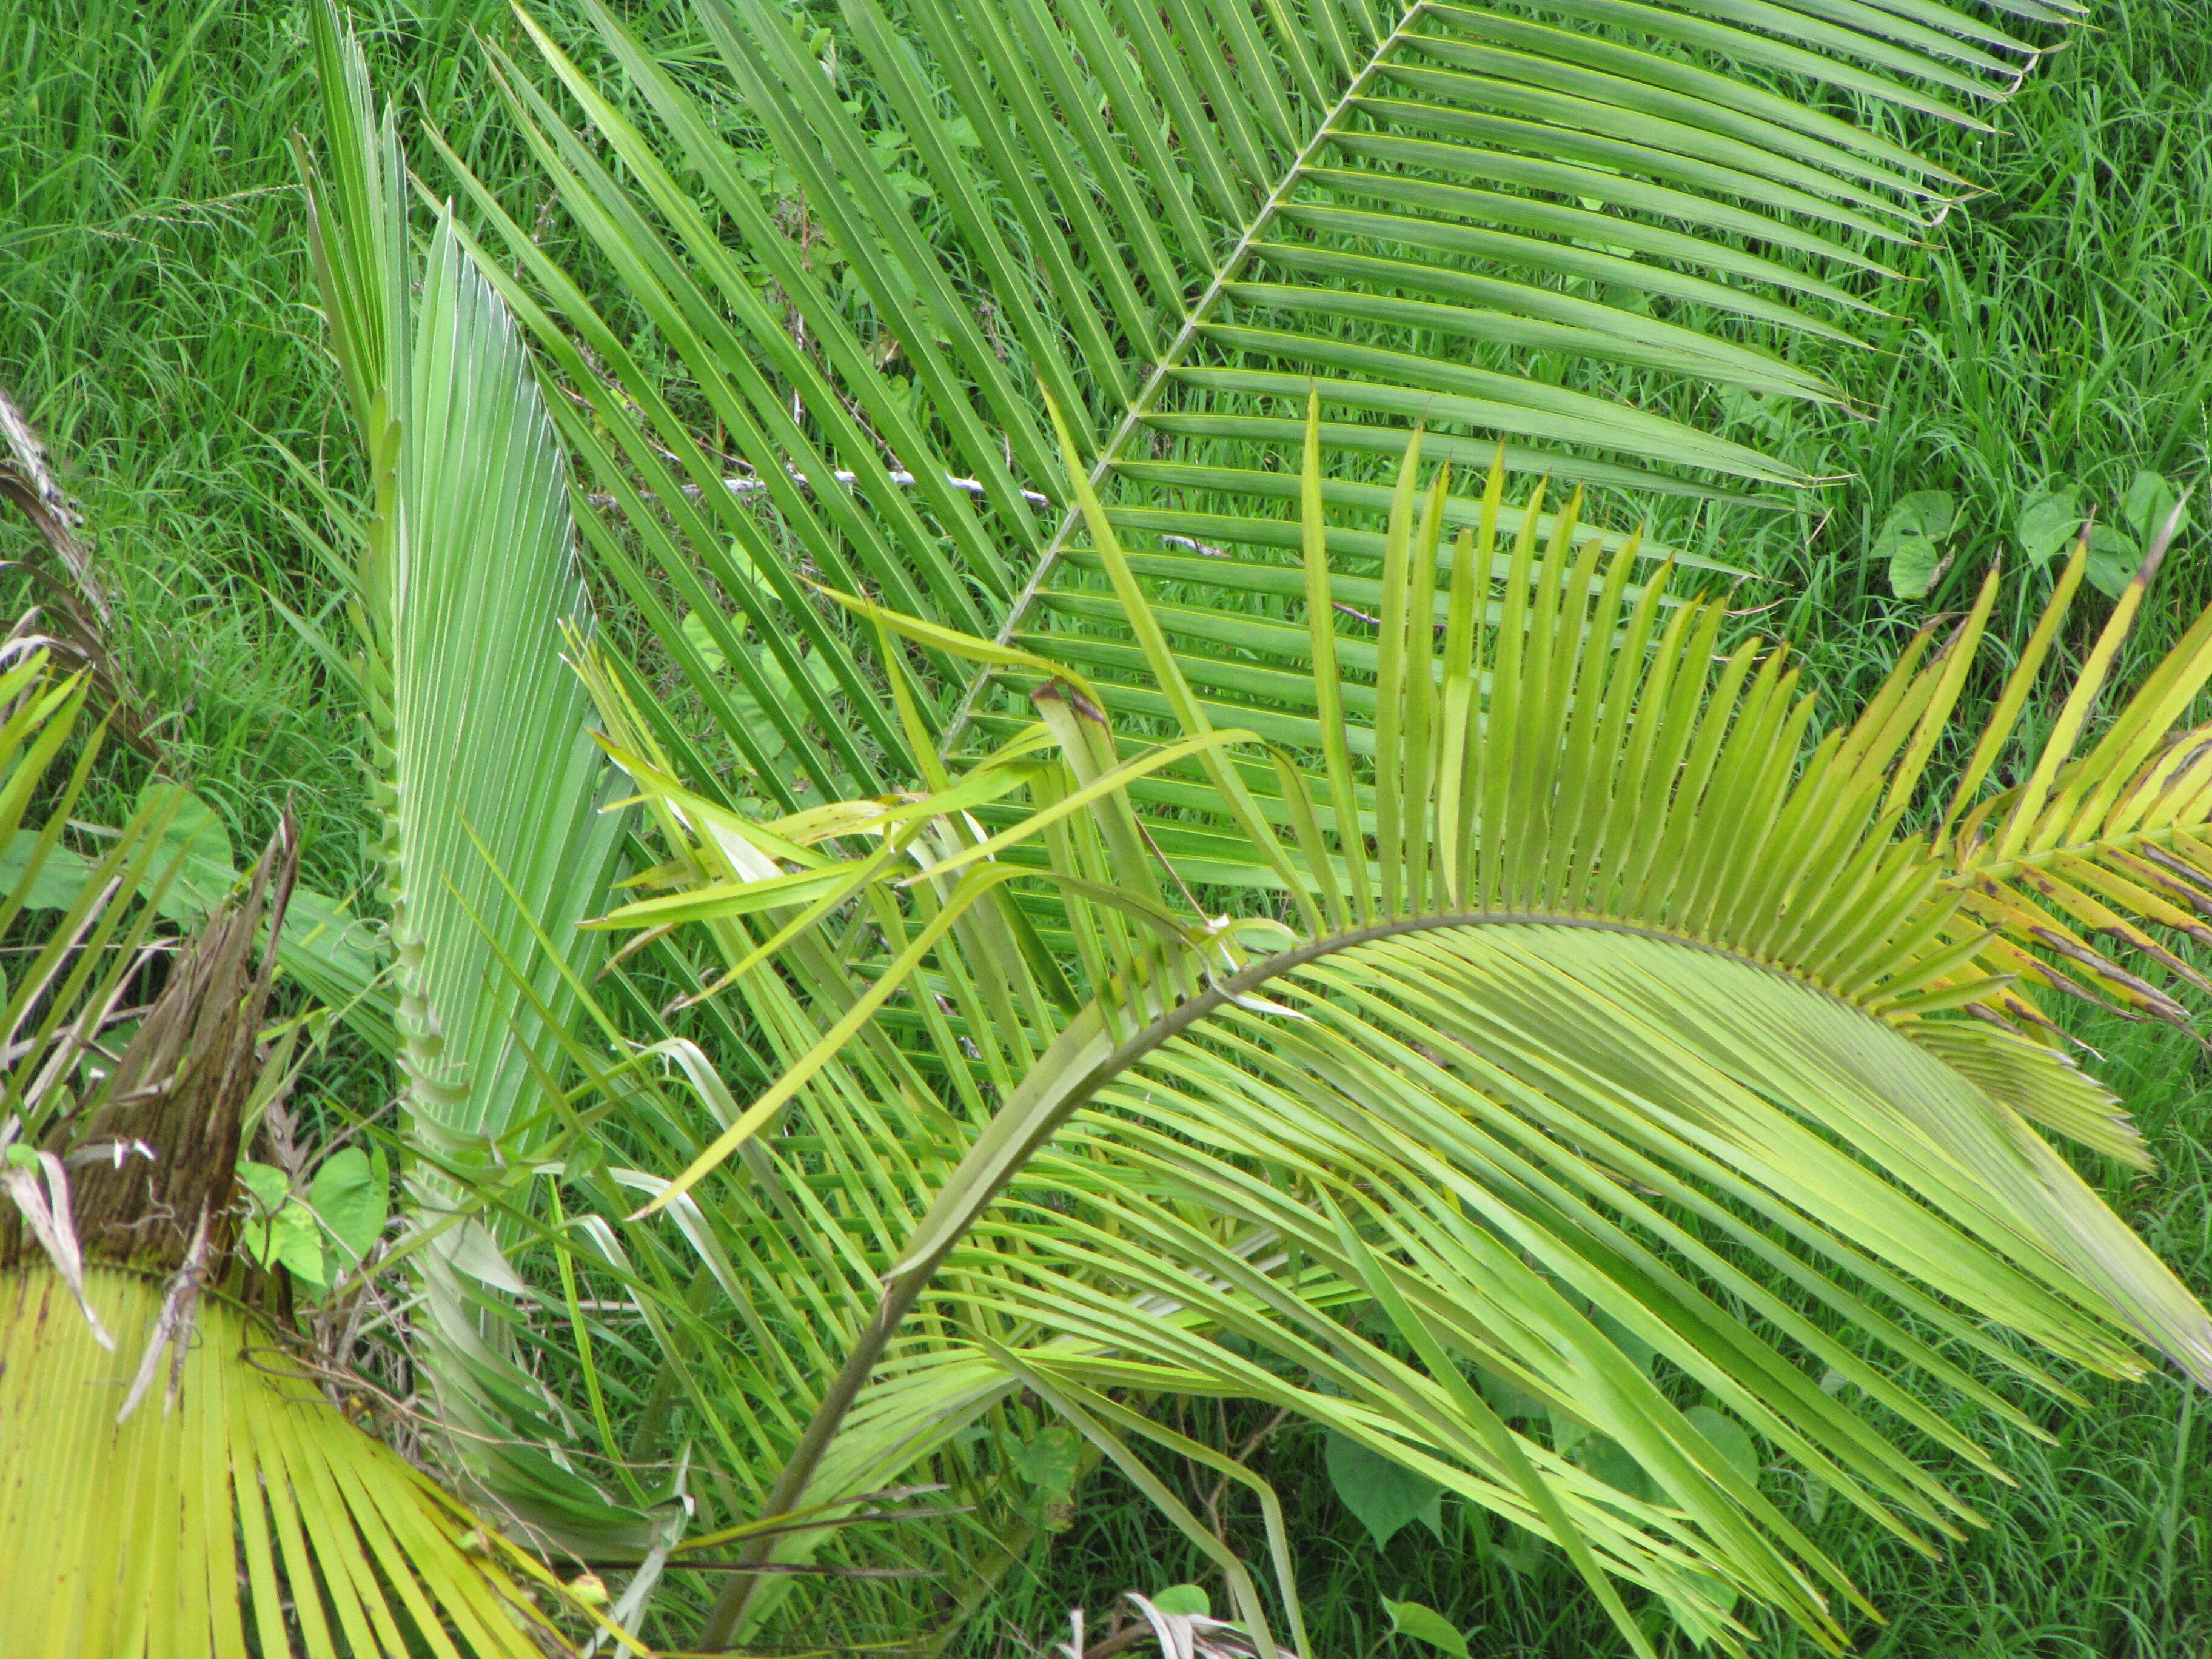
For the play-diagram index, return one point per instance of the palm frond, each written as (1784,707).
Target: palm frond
(140,1535)
(243,1513)
(68,991)
(490,786)
(2098,858)
(495,843)
(1570,1010)
(1175,223)
(1579,1012)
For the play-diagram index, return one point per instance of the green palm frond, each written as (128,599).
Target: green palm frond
(1574,1008)
(65,992)
(2100,857)
(495,844)
(1173,223)
(1580,1008)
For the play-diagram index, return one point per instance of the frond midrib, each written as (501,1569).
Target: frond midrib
(1179,1018)
(1192,329)
(1967,875)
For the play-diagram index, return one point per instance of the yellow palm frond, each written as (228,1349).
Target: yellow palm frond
(234,1511)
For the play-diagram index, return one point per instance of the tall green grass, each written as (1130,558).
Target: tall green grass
(156,324)
(154,319)
(2060,324)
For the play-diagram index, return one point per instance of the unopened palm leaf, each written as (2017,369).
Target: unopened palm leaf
(494,847)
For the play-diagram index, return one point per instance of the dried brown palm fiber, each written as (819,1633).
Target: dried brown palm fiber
(27,480)
(180,1090)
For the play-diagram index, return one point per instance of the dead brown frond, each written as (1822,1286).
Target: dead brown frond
(181,1088)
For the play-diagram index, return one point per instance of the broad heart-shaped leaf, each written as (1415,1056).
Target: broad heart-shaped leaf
(1519,1552)
(2048,520)
(1910,541)
(195,830)
(1732,1439)
(2149,504)
(1425,1624)
(1507,1401)
(1049,1463)
(750,709)
(1049,1460)
(1184,1599)
(60,877)
(281,1229)
(293,1240)
(703,641)
(1614,1464)
(350,1195)
(2114,557)
(271,1190)
(1385,1496)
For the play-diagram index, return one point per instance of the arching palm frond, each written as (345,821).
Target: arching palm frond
(1554,225)
(1581,1013)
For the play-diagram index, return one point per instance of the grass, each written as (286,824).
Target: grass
(155,324)
(159,329)
(2058,327)
(155,332)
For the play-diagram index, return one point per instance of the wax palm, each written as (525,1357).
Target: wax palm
(1564,1009)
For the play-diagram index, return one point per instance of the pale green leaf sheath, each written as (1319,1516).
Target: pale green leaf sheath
(494,845)
(1587,1073)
